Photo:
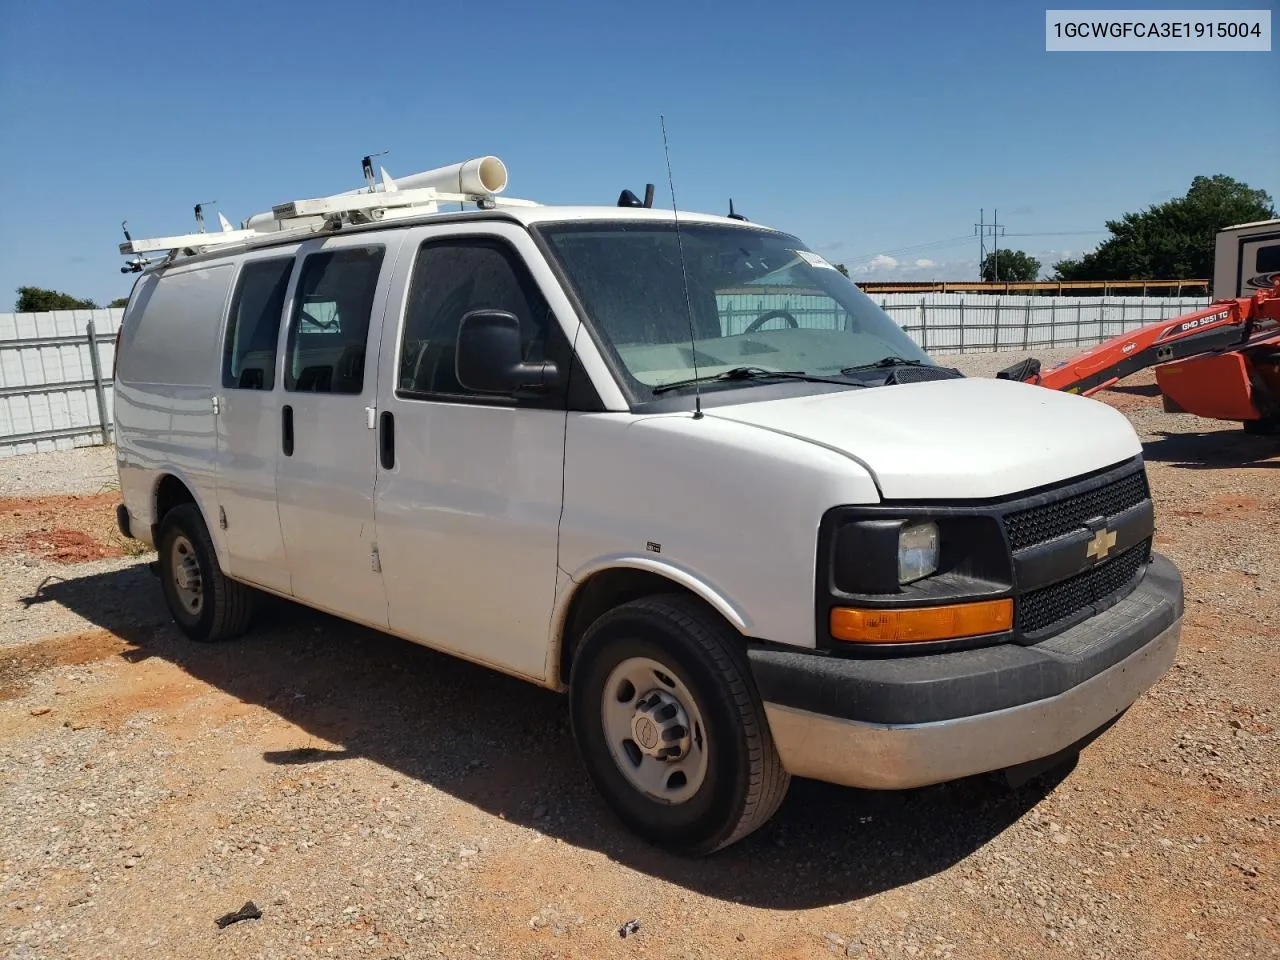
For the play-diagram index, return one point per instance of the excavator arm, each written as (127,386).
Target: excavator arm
(1221,362)
(1219,325)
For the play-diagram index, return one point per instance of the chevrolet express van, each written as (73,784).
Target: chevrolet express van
(678,468)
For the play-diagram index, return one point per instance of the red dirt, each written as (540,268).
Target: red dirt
(19,664)
(67,546)
(64,529)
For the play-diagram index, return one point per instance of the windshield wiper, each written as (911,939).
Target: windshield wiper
(752,373)
(883,362)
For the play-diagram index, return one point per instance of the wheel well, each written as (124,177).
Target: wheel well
(601,593)
(171,492)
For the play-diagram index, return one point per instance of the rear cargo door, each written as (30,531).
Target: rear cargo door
(324,483)
(248,414)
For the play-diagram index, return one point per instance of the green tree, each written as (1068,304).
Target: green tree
(1173,240)
(1014,265)
(119,302)
(38,300)
(842,268)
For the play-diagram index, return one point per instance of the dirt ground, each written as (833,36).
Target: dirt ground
(63,528)
(376,799)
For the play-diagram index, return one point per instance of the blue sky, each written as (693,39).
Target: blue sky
(863,128)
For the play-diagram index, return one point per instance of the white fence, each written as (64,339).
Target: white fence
(55,368)
(55,379)
(977,323)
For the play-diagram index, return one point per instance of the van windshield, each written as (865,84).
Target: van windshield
(756,300)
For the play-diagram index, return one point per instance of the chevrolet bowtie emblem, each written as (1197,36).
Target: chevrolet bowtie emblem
(1101,544)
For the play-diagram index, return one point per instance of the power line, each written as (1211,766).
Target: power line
(951,241)
(1056,233)
(914,248)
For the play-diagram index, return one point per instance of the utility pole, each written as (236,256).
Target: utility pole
(982,241)
(995,240)
(995,230)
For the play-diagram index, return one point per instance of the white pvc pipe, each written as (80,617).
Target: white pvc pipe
(478,175)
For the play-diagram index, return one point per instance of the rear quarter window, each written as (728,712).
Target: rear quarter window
(170,333)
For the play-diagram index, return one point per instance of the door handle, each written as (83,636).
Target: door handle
(387,440)
(286,430)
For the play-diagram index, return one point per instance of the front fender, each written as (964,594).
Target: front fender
(695,583)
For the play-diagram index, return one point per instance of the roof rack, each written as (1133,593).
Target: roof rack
(478,180)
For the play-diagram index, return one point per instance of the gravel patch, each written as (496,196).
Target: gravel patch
(376,799)
(28,612)
(989,364)
(83,470)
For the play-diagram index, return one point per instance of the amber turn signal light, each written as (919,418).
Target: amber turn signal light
(918,624)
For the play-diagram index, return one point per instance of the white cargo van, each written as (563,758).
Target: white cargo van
(679,468)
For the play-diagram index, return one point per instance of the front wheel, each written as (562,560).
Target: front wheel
(671,728)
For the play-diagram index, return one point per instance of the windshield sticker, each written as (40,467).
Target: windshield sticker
(812,259)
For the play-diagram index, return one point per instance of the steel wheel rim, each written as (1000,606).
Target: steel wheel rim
(188,582)
(662,752)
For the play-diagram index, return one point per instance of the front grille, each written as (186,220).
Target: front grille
(1043,522)
(1047,606)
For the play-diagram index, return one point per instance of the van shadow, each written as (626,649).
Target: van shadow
(504,746)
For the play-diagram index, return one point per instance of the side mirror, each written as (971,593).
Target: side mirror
(489,358)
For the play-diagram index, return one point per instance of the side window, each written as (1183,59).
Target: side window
(1268,259)
(450,279)
(253,329)
(329,329)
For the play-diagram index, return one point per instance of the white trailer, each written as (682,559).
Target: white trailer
(1246,259)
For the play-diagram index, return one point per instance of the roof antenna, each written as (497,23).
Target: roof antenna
(684,272)
(732,214)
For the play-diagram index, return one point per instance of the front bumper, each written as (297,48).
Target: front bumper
(912,721)
(123,521)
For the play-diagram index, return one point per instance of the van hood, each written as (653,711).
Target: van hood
(953,439)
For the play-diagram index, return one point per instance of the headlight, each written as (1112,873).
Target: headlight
(918,548)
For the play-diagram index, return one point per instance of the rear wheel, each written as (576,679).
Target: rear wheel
(671,728)
(205,604)
(1269,426)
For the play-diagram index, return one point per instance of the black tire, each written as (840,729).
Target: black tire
(744,782)
(226,607)
(1268,427)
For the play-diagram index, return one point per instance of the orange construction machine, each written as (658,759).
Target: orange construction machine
(1222,362)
